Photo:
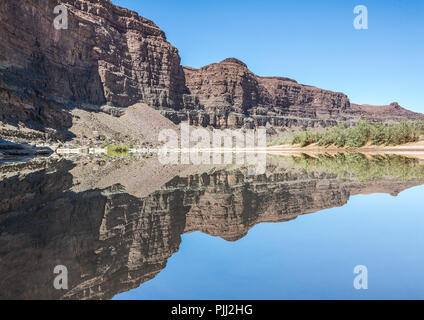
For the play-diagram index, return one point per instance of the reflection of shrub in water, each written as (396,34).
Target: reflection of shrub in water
(363,167)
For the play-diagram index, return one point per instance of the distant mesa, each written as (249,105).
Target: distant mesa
(234,61)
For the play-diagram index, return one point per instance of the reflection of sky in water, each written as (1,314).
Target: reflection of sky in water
(311,257)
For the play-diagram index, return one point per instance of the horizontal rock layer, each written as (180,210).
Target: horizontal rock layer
(230,95)
(108,55)
(110,58)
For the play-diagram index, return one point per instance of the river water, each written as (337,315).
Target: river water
(133,229)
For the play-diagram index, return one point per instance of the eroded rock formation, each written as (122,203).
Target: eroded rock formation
(228,94)
(108,55)
(110,58)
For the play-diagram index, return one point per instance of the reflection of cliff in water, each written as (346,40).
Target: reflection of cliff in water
(112,241)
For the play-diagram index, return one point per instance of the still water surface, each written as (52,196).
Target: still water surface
(132,229)
(312,257)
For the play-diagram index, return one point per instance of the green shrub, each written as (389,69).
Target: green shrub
(306,138)
(379,135)
(362,133)
(117,150)
(401,133)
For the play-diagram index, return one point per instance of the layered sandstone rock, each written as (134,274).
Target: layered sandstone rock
(230,95)
(108,55)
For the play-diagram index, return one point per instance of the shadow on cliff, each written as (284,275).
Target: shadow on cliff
(42,95)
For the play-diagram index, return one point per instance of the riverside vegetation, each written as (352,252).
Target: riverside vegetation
(363,167)
(364,132)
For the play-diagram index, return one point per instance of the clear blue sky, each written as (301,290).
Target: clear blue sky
(312,41)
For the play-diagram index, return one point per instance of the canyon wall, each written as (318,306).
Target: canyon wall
(228,94)
(110,58)
(107,56)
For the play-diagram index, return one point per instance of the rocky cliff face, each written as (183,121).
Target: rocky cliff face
(230,87)
(233,96)
(110,58)
(108,55)
(112,241)
(228,94)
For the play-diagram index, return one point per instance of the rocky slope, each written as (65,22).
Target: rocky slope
(110,58)
(112,241)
